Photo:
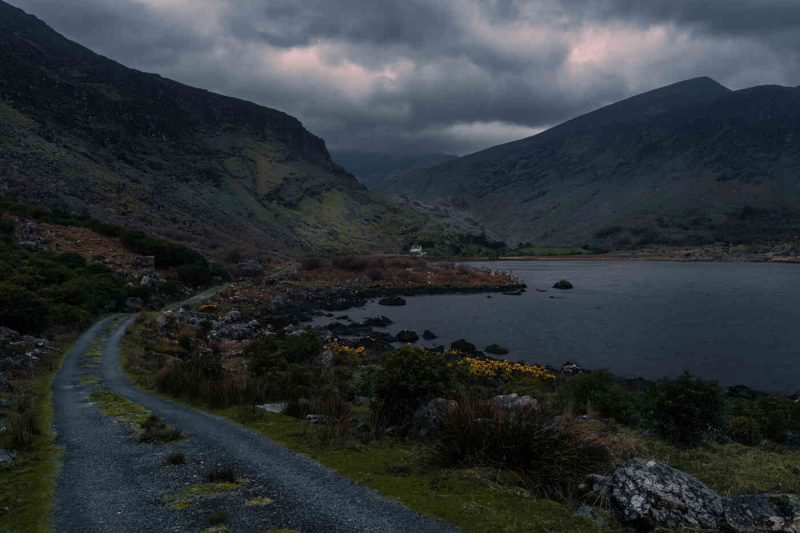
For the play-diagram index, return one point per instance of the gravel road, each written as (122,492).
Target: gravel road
(111,482)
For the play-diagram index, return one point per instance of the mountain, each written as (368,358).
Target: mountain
(82,132)
(689,163)
(373,168)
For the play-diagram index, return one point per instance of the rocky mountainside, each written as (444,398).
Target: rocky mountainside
(373,168)
(82,132)
(690,163)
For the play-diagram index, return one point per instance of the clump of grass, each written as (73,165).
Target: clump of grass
(155,431)
(186,496)
(175,458)
(122,409)
(217,518)
(259,501)
(551,457)
(222,474)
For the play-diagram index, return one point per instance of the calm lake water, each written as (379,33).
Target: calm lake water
(738,323)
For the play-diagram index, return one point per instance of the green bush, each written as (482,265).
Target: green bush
(744,430)
(22,309)
(775,415)
(685,408)
(551,458)
(598,392)
(410,377)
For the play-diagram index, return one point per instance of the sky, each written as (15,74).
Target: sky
(451,76)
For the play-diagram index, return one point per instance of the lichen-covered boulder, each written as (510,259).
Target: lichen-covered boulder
(649,494)
(762,512)
(514,402)
(428,417)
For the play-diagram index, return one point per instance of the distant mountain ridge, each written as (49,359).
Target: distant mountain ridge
(373,168)
(81,131)
(693,162)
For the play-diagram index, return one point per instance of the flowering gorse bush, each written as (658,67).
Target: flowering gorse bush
(347,355)
(501,369)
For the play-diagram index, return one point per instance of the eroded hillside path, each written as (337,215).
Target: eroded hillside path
(111,482)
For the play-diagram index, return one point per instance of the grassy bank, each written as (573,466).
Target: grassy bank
(27,486)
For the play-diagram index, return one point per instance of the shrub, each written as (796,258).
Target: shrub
(744,430)
(194,274)
(351,263)
(22,309)
(176,458)
(311,263)
(551,457)
(683,409)
(410,377)
(598,392)
(22,422)
(774,415)
(155,431)
(375,274)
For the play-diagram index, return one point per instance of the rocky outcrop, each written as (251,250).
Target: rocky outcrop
(407,335)
(649,494)
(496,349)
(562,284)
(392,301)
(428,417)
(428,335)
(514,402)
(762,512)
(462,346)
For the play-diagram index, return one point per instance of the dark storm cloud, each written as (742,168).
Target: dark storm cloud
(450,75)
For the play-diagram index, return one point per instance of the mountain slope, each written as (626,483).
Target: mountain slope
(373,168)
(81,131)
(689,163)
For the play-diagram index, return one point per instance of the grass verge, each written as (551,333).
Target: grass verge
(27,486)
(149,428)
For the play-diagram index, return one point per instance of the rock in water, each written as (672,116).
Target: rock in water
(392,300)
(649,494)
(378,321)
(428,335)
(563,284)
(762,512)
(462,346)
(496,349)
(407,335)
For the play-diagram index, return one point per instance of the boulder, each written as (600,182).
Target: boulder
(134,303)
(562,284)
(144,261)
(392,301)
(378,322)
(428,417)
(5,386)
(407,335)
(462,346)
(647,494)
(762,512)
(428,335)
(496,349)
(250,269)
(6,456)
(570,368)
(513,401)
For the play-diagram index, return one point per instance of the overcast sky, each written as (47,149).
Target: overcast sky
(437,75)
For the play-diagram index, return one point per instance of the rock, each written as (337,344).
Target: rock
(97,258)
(5,386)
(392,301)
(5,404)
(648,494)
(134,303)
(428,335)
(496,349)
(562,284)
(378,322)
(144,261)
(513,401)
(428,417)
(593,514)
(437,349)
(462,346)
(407,335)
(795,397)
(148,281)
(315,419)
(6,456)
(277,408)
(250,269)
(570,368)
(762,512)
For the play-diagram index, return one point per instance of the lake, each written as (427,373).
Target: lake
(738,323)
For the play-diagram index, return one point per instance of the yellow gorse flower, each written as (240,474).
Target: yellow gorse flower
(493,368)
(347,351)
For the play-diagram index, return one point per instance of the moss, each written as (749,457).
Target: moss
(124,410)
(259,501)
(186,496)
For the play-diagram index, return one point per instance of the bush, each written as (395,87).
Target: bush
(194,274)
(775,417)
(156,431)
(351,263)
(550,457)
(598,392)
(22,309)
(744,430)
(311,263)
(410,377)
(684,409)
